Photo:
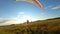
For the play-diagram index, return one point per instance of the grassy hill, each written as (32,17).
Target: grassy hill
(49,26)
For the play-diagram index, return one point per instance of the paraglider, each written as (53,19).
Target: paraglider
(36,2)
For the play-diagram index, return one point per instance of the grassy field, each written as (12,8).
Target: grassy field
(50,26)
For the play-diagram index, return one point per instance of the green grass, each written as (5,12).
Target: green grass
(50,26)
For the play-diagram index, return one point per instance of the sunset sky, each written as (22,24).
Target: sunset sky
(12,12)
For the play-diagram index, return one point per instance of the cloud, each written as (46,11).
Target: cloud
(48,7)
(21,12)
(17,0)
(8,21)
(2,21)
(56,7)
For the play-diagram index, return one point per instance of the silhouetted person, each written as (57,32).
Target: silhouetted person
(27,21)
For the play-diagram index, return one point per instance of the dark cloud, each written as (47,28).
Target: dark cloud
(3,20)
(7,21)
(56,7)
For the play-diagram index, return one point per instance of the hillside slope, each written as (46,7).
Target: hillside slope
(50,26)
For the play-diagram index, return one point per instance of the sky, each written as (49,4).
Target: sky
(12,12)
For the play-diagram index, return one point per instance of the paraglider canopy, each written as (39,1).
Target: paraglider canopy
(36,2)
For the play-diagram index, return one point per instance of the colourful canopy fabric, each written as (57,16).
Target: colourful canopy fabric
(36,2)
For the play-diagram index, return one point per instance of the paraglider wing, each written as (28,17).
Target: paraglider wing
(36,2)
